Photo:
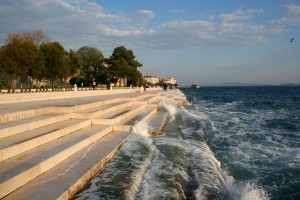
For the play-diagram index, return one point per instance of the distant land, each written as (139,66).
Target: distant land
(255,84)
(235,84)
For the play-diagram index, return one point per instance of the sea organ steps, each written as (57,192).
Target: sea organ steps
(33,165)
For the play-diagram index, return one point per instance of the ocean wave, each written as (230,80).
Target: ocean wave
(213,181)
(170,108)
(166,175)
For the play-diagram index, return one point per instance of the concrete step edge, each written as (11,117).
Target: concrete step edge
(76,187)
(149,116)
(19,180)
(157,122)
(13,130)
(24,114)
(27,145)
(100,112)
(128,115)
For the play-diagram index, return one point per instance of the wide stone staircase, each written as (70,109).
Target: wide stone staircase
(51,152)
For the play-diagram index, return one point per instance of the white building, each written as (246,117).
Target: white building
(170,80)
(151,79)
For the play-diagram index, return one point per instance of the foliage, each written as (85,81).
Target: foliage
(18,55)
(31,56)
(56,62)
(92,62)
(75,63)
(122,64)
(37,70)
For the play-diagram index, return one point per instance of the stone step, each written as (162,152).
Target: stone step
(24,114)
(142,117)
(30,123)
(116,113)
(65,179)
(99,107)
(21,169)
(157,122)
(17,144)
(126,125)
(79,108)
(99,111)
(51,152)
(153,99)
(145,97)
(120,119)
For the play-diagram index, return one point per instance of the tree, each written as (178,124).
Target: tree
(123,65)
(21,57)
(75,63)
(39,37)
(37,70)
(57,62)
(92,62)
(18,55)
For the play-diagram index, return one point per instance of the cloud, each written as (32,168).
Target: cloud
(143,16)
(291,18)
(75,23)
(240,14)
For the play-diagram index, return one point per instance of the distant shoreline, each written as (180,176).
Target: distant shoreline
(248,85)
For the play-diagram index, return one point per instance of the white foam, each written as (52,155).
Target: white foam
(213,179)
(154,186)
(170,108)
(198,116)
(140,134)
(243,190)
(138,176)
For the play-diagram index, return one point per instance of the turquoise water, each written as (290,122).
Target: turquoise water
(231,143)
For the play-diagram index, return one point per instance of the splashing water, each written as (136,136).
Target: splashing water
(214,181)
(141,128)
(170,108)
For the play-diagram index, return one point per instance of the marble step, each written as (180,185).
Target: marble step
(20,143)
(19,170)
(30,123)
(120,119)
(65,179)
(99,111)
(157,122)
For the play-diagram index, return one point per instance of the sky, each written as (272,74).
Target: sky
(205,41)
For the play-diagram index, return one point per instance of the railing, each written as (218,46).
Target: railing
(56,89)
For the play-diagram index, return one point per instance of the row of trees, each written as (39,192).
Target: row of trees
(32,57)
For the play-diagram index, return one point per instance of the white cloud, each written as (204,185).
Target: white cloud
(143,16)
(240,14)
(291,18)
(113,32)
(80,22)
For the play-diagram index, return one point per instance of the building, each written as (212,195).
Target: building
(152,79)
(170,80)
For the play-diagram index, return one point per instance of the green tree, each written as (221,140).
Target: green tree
(37,70)
(122,64)
(57,62)
(92,62)
(21,57)
(18,55)
(75,63)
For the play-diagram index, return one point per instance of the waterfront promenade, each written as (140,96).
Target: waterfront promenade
(52,143)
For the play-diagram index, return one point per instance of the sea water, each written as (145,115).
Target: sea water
(231,143)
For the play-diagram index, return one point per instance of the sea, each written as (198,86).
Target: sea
(231,143)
